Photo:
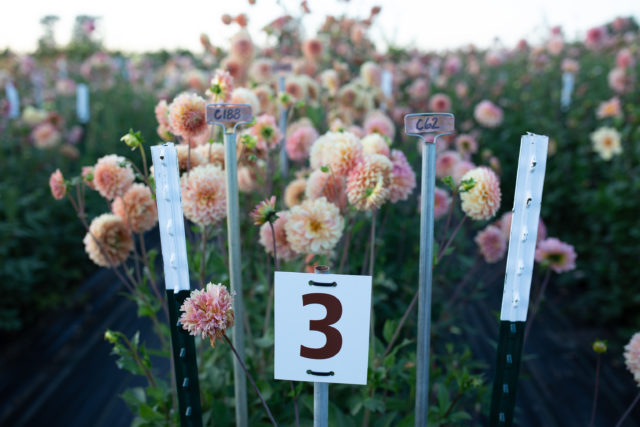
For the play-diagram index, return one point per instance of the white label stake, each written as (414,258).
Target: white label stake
(14,100)
(82,102)
(322,327)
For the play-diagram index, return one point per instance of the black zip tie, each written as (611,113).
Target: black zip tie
(329,285)
(321,374)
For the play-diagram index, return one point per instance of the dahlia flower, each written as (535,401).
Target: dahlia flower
(208,312)
(204,198)
(403,178)
(632,356)
(488,114)
(369,181)
(112,176)
(314,227)
(299,142)
(492,244)
(329,185)
(57,185)
(294,192)
(606,142)
(220,87)
(559,256)
(283,247)
(108,241)
(482,201)
(187,115)
(137,208)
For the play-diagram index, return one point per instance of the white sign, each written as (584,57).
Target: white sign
(322,327)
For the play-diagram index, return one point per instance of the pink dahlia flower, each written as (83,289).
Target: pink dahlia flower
(632,356)
(403,178)
(204,197)
(187,115)
(109,241)
(283,247)
(559,256)
(488,114)
(112,176)
(208,312)
(314,227)
(57,185)
(137,208)
(299,142)
(492,244)
(445,163)
(368,184)
(375,144)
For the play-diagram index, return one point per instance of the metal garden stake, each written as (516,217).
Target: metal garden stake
(281,68)
(234,115)
(176,274)
(82,102)
(419,125)
(517,280)
(321,390)
(567,88)
(14,100)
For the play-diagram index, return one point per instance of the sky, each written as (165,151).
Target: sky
(135,26)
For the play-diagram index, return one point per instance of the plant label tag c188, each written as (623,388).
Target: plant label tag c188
(228,113)
(424,123)
(322,327)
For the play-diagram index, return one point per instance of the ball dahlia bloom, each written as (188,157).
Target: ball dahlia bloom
(187,115)
(368,183)
(492,244)
(193,159)
(208,312)
(283,247)
(445,162)
(559,256)
(371,74)
(378,122)
(312,49)
(204,197)
(403,178)
(343,152)
(617,79)
(606,142)
(466,145)
(109,241)
(632,356)
(440,103)
(483,200)
(211,153)
(57,185)
(241,95)
(220,87)
(294,192)
(298,143)
(45,135)
(331,186)
(137,208)
(461,168)
(112,176)
(488,114)
(375,144)
(314,226)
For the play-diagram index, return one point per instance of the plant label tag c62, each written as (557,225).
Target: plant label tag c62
(423,123)
(228,113)
(322,327)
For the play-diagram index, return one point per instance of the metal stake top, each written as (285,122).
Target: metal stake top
(419,125)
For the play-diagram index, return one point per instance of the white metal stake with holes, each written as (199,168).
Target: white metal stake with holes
(420,125)
(517,281)
(234,115)
(176,277)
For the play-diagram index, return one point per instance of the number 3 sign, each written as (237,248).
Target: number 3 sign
(322,327)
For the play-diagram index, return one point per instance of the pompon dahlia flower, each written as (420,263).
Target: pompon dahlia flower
(312,49)
(368,184)
(208,312)
(466,145)
(282,244)
(331,186)
(318,150)
(241,95)
(440,103)
(45,135)
(298,143)
(57,185)
(488,114)
(137,208)
(187,115)
(342,152)
(195,160)
(266,132)
(559,256)
(295,191)
(109,241)
(606,142)
(632,356)
(403,178)
(379,122)
(492,244)
(112,176)
(483,200)
(314,227)
(371,74)
(220,87)
(461,168)
(445,162)
(212,153)
(204,197)
(375,144)
(162,115)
